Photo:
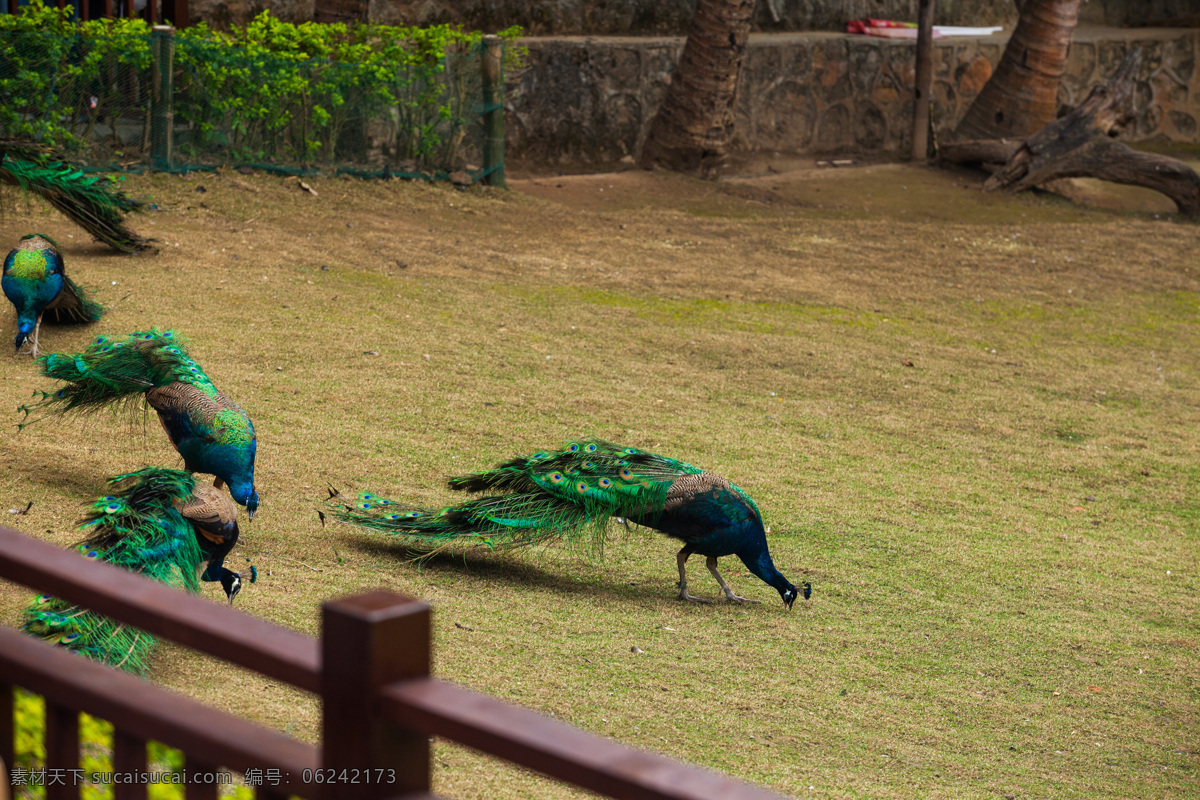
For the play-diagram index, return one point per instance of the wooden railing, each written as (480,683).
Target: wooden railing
(371,670)
(154,11)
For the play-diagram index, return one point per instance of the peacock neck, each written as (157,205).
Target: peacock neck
(757,559)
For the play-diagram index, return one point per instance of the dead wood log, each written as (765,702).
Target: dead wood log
(1082,145)
(979,151)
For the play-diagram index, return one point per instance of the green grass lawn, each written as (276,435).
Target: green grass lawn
(969,420)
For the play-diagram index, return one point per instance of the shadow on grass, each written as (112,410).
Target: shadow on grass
(86,486)
(496,567)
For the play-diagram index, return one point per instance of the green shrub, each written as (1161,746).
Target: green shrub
(268,91)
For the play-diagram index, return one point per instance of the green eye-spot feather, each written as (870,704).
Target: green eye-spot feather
(149,536)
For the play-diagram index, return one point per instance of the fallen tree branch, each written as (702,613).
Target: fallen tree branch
(1082,145)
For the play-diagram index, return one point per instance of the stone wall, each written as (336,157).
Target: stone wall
(671,17)
(588,102)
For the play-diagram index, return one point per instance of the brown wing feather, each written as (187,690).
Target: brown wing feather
(183,398)
(67,307)
(213,514)
(688,487)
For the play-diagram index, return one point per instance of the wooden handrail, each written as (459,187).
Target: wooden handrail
(552,747)
(147,711)
(191,621)
(379,703)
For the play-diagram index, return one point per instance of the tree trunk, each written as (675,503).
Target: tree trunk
(694,125)
(1022,95)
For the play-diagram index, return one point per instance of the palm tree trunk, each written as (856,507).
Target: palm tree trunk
(1022,95)
(694,125)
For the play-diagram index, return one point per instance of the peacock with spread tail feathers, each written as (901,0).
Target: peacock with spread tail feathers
(572,494)
(158,523)
(90,201)
(36,283)
(211,432)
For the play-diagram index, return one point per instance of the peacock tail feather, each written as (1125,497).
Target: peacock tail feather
(90,201)
(115,368)
(139,528)
(570,494)
(500,522)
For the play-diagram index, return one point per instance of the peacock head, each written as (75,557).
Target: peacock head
(231,582)
(23,331)
(789,593)
(244,494)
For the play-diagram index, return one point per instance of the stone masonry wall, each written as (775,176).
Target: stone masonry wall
(671,17)
(588,102)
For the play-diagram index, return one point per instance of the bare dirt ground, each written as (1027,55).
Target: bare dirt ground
(968,418)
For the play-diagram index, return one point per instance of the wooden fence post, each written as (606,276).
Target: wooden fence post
(492,64)
(129,755)
(162,117)
(62,752)
(369,641)
(924,82)
(8,723)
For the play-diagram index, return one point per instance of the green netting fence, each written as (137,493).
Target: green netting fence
(181,101)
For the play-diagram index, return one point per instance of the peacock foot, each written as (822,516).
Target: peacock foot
(691,598)
(737,598)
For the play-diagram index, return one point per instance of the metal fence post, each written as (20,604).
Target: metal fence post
(162,117)
(369,641)
(492,65)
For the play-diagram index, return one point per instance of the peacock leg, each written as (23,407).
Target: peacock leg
(681,559)
(37,326)
(712,567)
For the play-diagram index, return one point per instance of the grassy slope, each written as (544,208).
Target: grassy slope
(1001,537)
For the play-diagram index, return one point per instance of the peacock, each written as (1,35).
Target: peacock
(90,201)
(159,523)
(211,432)
(572,493)
(36,284)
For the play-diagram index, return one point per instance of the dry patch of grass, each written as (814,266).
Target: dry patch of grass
(969,421)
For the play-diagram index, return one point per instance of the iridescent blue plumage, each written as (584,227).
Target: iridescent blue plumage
(36,283)
(576,491)
(211,432)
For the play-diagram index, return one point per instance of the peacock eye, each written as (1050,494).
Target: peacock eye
(70,637)
(605,483)
(385,502)
(591,448)
(581,487)
(574,448)
(367,496)
(44,598)
(627,474)
(392,516)
(112,508)
(365,506)
(414,514)
(556,477)
(589,465)
(92,554)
